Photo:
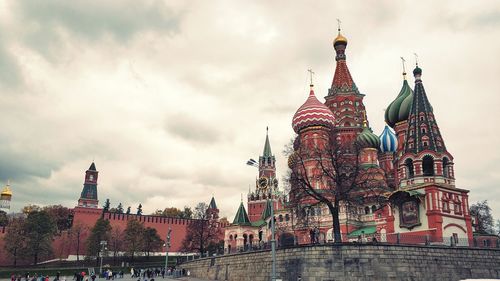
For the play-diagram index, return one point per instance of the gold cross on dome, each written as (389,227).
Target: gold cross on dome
(416,58)
(311,75)
(338,24)
(403,60)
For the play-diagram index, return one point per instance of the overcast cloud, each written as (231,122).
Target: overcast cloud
(170,98)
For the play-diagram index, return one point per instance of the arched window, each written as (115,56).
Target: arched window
(287,217)
(446,163)
(312,212)
(280,218)
(230,237)
(374,208)
(367,210)
(409,168)
(428,165)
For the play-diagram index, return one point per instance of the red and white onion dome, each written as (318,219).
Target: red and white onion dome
(312,113)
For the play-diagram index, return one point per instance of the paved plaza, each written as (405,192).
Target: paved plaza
(127,278)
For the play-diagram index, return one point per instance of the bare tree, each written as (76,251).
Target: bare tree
(116,241)
(333,176)
(201,232)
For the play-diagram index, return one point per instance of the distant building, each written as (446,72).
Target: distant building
(5,198)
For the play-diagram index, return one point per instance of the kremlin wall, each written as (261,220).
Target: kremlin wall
(88,212)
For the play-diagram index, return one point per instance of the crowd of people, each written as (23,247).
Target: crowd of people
(142,274)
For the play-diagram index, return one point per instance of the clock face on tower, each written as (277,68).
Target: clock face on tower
(263,182)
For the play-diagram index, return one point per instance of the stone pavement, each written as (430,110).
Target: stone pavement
(70,278)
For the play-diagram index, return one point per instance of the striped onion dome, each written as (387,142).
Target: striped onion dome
(399,109)
(367,139)
(312,113)
(388,140)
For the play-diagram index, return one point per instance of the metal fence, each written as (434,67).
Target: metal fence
(489,241)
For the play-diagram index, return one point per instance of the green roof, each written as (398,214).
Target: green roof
(241,217)
(267,210)
(212,204)
(364,230)
(259,223)
(267,147)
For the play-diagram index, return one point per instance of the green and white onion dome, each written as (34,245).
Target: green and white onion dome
(367,139)
(399,109)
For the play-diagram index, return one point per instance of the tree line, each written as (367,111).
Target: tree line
(30,234)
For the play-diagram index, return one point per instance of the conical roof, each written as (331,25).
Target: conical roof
(267,146)
(241,217)
(267,210)
(342,79)
(92,167)
(212,204)
(423,132)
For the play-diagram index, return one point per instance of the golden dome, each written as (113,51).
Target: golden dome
(6,191)
(340,39)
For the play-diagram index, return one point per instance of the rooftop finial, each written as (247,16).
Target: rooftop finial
(267,130)
(404,68)
(311,77)
(365,123)
(416,59)
(338,25)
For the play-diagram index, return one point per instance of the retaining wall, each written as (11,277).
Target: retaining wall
(353,262)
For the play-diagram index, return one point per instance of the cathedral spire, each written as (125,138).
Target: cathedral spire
(267,146)
(342,79)
(423,133)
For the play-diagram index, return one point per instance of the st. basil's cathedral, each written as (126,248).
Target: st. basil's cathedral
(409,160)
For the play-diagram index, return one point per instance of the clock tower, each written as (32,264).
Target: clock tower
(266,184)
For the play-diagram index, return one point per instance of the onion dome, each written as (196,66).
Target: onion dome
(388,140)
(6,192)
(340,39)
(312,113)
(367,139)
(400,108)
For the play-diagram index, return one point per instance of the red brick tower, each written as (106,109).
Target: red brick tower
(88,197)
(344,98)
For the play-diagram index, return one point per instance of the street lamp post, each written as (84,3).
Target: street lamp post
(167,247)
(273,242)
(103,247)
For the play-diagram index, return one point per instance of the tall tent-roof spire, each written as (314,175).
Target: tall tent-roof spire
(267,146)
(241,217)
(342,79)
(423,132)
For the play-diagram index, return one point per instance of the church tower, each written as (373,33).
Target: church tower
(88,197)
(424,156)
(344,98)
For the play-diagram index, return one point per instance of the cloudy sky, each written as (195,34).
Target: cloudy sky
(171,98)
